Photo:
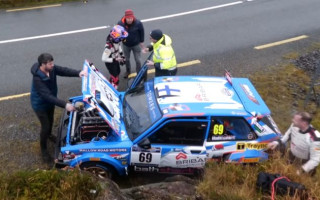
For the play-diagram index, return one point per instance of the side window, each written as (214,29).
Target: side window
(180,133)
(230,128)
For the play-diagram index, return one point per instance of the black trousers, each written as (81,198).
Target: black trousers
(114,70)
(163,72)
(46,121)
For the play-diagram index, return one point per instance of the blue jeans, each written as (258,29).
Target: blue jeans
(137,57)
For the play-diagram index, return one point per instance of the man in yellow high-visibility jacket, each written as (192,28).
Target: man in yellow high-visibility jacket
(164,59)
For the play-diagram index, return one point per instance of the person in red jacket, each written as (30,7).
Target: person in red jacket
(134,42)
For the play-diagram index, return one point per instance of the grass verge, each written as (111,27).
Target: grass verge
(7,4)
(48,184)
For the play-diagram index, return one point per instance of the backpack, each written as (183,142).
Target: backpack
(280,185)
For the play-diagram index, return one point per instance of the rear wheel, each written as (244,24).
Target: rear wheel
(98,169)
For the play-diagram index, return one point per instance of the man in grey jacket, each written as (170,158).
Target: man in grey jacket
(305,143)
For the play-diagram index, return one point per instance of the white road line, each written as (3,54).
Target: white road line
(32,8)
(191,12)
(54,34)
(104,27)
(185,64)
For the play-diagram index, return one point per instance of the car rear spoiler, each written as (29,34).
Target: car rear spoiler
(252,101)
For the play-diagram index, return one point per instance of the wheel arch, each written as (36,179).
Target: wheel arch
(103,159)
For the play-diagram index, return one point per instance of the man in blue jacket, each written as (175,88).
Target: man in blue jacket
(134,41)
(44,95)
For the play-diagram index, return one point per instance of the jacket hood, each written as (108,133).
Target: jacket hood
(165,40)
(35,71)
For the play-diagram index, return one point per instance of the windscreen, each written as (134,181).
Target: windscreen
(140,109)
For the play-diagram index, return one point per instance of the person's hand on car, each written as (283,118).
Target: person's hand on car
(272,145)
(70,107)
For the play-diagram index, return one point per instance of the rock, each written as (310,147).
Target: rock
(176,187)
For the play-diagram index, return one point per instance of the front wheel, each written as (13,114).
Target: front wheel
(100,170)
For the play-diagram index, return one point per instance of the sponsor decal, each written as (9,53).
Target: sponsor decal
(145,169)
(217,147)
(93,84)
(181,156)
(168,79)
(191,162)
(176,150)
(165,111)
(224,137)
(250,160)
(238,113)
(249,93)
(153,149)
(104,150)
(225,105)
(167,91)
(151,106)
(94,159)
(273,124)
(258,128)
(202,95)
(226,92)
(123,135)
(257,146)
(119,156)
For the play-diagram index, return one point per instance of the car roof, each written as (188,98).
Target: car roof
(207,96)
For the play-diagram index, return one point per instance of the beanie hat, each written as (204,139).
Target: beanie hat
(156,34)
(128,13)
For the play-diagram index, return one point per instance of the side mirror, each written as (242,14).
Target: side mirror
(145,144)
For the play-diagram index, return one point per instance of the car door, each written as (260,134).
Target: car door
(229,135)
(141,76)
(175,147)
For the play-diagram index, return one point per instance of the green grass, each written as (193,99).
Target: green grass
(48,184)
(231,181)
(6,4)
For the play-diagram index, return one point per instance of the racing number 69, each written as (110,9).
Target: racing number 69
(143,157)
(218,129)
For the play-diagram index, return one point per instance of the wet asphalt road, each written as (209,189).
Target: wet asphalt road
(221,37)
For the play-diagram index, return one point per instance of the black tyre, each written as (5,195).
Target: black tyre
(98,169)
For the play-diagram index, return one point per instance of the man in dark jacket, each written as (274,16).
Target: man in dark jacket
(44,95)
(134,41)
